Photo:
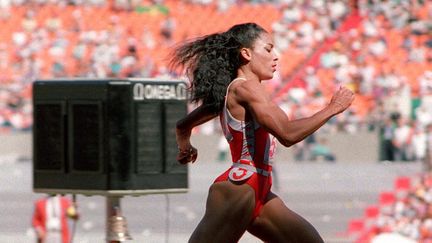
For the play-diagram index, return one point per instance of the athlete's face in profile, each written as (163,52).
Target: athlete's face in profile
(263,58)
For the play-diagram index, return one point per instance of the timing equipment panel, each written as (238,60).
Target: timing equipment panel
(110,136)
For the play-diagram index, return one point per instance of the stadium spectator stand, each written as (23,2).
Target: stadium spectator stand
(49,39)
(406,215)
(374,47)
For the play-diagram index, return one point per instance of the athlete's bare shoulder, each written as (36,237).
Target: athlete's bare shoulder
(250,91)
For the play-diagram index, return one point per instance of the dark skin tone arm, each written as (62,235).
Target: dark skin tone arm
(251,95)
(252,98)
(202,114)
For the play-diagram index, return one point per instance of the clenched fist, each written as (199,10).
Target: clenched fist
(185,156)
(342,99)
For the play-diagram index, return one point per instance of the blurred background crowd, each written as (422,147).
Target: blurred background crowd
(403,214)
(381,49)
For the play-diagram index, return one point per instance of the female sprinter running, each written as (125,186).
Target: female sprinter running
(226,72)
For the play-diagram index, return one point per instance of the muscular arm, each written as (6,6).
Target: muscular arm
(197,117)
(202,114)
(274,120)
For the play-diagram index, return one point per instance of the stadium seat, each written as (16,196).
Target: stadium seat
(386,201)
(371,212)
(402,183)
(355,227)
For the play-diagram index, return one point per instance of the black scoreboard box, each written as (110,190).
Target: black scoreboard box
(110,136)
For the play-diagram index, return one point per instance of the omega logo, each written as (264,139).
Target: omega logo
(159,91)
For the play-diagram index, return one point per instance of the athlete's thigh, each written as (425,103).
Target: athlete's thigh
(229,211)
(277,223)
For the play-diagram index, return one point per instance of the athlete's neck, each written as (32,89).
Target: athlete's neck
(247,75)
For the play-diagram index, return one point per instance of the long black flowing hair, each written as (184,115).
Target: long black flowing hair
(212,61)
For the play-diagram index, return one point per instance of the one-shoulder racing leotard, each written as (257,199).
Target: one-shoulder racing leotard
(252,149)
